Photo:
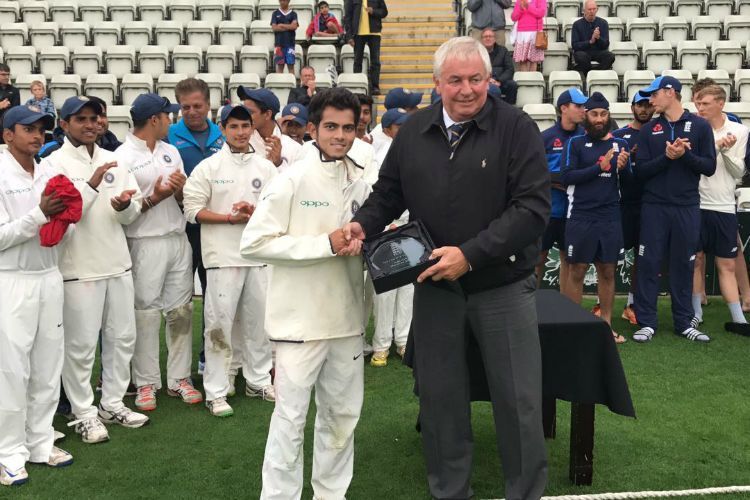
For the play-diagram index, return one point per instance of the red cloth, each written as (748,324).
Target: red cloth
(52,232)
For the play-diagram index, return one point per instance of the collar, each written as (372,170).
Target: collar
(348,158)
(140,144)
(684,116)
(236,157)
(180,129)
(285,13)
(483,119)
(724,124)
(80,151)
(13,163)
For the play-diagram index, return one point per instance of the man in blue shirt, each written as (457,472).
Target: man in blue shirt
(570,106)
(590,40)
(631,191)
(674,150)
(592,166)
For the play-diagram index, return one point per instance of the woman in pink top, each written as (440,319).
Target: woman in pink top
(529,18)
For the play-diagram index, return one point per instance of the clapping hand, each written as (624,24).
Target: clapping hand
(622,160)
(122,201)
(677,148)
(726,142)
(605,162)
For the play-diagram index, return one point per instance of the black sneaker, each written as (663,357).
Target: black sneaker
(738,328)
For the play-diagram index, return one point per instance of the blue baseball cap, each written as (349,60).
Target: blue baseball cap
(263,96)
(638,97)
(573,95)
(663,82)
(297,111)
(76,103)
(26,115)
(402,98)
(239,111)
(150,104)
(395,116)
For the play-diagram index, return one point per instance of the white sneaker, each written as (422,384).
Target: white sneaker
(59,436)
(695,335)
(58,458)
(91,429)
(232,389)
(124,417)
(219,407)
(643,335)
(266,393)
(13,477)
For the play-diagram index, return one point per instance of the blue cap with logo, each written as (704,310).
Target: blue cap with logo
(239,111)
(638,97)
(297,111)
(263,96)
(26,115)
(663,82)
(572,95)
(76,103)
(147,105)
(402,98)
(395,116)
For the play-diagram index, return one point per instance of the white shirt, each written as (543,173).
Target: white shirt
(717,191)
(290,149)
(361,153)
(147,166)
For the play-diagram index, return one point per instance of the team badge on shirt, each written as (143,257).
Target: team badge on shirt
(167,158)
(657,129)
(557,143)
(687,126)
(355,207)
(109,177)
(256,183)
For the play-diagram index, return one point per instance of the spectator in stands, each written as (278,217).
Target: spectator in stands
(306,89)
(9,95)
(397,98)
(365,117)
(502,66)
(363,21)
(284,24)
(488,14)
(40,99)
(105,139)
(529,18)
(294,121)
(590,40)
(324,23)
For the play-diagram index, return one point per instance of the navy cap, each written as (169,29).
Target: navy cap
(26,115)
(263,96)
(395,116)
(435,97)
(150,104)
(74,104)
(663,82)
(239,111)
(573,95)
(402,98)
(297,111)
(597,101)
(638,97)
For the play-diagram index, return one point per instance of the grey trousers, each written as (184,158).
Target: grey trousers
(504,323)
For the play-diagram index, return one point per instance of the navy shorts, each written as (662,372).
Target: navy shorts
(283,55)
(554,235)
(594,241)
(719,234)
(630,215)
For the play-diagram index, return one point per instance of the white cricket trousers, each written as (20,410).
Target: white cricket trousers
(335,369)
(91,306)
(393,311)
(163,281)
(235,313)
(31,358)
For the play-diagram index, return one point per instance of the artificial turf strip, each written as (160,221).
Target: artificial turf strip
(692,431)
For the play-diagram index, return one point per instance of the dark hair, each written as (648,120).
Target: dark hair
(190,85)
(337,97)
(262,106)
(365,100)
(702,84)
(139,124)
(100,102)
(322,3)
(4,68)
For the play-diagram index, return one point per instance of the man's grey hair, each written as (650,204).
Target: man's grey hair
(461,48)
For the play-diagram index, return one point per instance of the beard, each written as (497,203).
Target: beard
(596,132)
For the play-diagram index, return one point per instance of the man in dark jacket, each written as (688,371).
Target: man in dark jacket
(9,95)
(502,66)
(363,22)
(488,14)
(306,89)
(472,169)
(590,40)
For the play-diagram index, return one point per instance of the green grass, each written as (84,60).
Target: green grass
(692,431)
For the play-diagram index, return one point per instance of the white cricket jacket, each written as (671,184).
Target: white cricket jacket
(717,191)
(289,147)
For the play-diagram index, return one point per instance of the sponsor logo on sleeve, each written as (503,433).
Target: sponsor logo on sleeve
(658,129)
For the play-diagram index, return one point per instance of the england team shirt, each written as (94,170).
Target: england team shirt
(555,139)
(631,189)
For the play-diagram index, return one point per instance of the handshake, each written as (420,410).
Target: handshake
(347,241)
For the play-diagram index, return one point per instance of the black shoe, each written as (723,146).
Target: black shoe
(738,328)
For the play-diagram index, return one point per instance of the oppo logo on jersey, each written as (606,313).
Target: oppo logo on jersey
(222,181)
(314,204)
(18,191)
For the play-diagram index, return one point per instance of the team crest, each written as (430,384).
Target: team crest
(167,158)
(35,109)
(658,128)
(294,110)
(355,207)
(407,91)
(688,125)
(557,143)
(256,183)
(109,177)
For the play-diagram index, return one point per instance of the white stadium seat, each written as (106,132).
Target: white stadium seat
(347,58)
(34,12)
(281,83)
(719,8)
(692,55)
(166,83)
(543,114)
(627,56)
(323,81)
(262,34)
(742,7)
(604,81)
(152,10)
(44,34)
(720,76)
(674,29)
(137,34)
(9,12)
(705,28)
(266,8)
(53,60)
(320,57)
(254,59)
(741,109)
(556,57)
(212,11)
(92,11)
(62,11)
(567,30)
(626,9)
(122,11)
(551,27)
(242,10)
(200,33)
(304,10)
(737,28)
(742,84)
(688,8)
(215,83)
(21,60)
(23,84)
(133,85)
(169,33)
(250,80)
(606,8)
(657,9)
(86,61)
(120,60)
(727,54)
(657,56)
(153,60)
(616,29)
(641,30)
(106,34)
(63,86)
(182,10)
(75,34)
(187,59)
(563,10)
(559,81)
(634,80)
(120,121)
(233,33)
(355,82)
(530,87)
(686,79)
(103,86)
(221,59)
(13,35)
(620,111)
(337,8)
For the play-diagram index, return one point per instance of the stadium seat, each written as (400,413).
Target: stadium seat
(323,81)
(280,84)
(688,8)
(86,61)
(137,34)
(621,112)
(63,86)
(250,80)
(181,10)
(133,85)
(742,7)
(747,52)
(44,34)
(606,8)
(152,11)
(741,109)
(567,30)
(304,10)
(616,29)
(200,33)
(720,76)
(737,28)
(221,59)
(103,86)
(92,11)
(34,12)
(168,33)
(153,60)
(692,55)
(674,30)
(21,60)
(705,28)
(122,11)
(266,8)
(719,8)
(727,54)
(561,80)
(9,12)
(337,8)
(13,35)
(347,59)
(627,9)
(551,27)
(530,87)
(321,56)
(686,79)
(543,114)
(242,10)
(690,107)
(120,60)
(106,34)
(120,121)
(1,54)
(356,82)
(187,59)
(74,35)
(604,81)
(166,83)
(254,59)
(563,10)
(233,33)
(23,84)
(53,60)
(261,34)
(215,83)
(556,58)
(657,56)
(657,9)
(641,30)
(742,84)
(627,56)
(60,11)
(634,80)
(212,11)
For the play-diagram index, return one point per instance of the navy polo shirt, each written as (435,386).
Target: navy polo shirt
(555,139)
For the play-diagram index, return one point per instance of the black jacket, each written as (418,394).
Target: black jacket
(583,30)
(492,199)
(299,95)
(12,94)
(502,63)
(352,11)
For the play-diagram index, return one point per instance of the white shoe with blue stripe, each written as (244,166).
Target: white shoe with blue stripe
(13,477)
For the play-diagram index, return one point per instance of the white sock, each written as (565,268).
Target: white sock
(630,299)
(735,309)
(697,306)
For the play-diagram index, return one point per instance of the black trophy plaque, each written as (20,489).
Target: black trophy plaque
(398,256)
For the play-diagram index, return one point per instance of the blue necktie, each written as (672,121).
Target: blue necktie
(455,132)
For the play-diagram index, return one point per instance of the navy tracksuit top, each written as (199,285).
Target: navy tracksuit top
(631,188)
(555,139)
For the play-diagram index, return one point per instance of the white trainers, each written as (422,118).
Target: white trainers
(695,335)
(58,458)
(644,334)
(232,389)
(13,477)
(91,429)
(184,390)
(266,393)
(219,407)
(124,417)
